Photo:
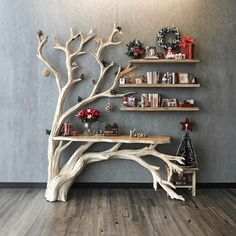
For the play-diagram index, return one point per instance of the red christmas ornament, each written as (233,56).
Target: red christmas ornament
(186,125)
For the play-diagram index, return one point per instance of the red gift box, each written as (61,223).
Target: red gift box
(187,47)
(188,50)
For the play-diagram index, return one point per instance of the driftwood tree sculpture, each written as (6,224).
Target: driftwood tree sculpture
(60,178)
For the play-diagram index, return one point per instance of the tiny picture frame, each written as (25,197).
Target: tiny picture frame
(151,52)
(138,80)
(122,80)
(183,78)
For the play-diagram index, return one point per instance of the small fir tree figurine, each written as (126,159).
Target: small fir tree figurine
(186,149)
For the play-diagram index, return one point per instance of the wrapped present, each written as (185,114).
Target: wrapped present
(187,47)
(74,133)
(66,129)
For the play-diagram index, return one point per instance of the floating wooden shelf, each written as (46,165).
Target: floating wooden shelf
(163,61)
(115,139)
(159,85)
(159,109)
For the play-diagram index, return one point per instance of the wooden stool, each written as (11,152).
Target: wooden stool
(188,178)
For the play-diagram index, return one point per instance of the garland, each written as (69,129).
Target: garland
(162,34)
(135,49)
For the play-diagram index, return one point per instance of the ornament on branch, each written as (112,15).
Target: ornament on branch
(79,99)
(94,81)
(40,33)
(108,107)
(46,72)
(113,92)
(118,28)
(74,64)
(82,76)
(47,131)
(104,63)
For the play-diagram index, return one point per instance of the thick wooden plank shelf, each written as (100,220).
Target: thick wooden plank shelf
(163,61)
(144,85)
(115,139)
(159,109)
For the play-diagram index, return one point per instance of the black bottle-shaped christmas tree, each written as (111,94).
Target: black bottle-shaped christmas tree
(186,149)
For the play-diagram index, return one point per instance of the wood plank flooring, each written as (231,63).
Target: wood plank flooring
(118,212)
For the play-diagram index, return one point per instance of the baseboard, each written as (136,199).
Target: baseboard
(108,185)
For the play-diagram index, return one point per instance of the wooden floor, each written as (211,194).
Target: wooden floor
(129,212)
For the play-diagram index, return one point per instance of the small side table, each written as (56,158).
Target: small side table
(187,178)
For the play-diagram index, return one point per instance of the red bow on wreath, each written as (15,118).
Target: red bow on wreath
(187,39)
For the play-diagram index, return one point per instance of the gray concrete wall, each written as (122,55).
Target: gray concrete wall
(28,100)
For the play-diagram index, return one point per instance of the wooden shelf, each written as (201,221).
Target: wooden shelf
(159,109)
(163,61)
(144,85)
(115,139)
(183,186)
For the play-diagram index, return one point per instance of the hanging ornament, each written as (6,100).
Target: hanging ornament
(40,33)
(108,107)
(82,76)
(118,28)
(186,125)
(94,81)
(46,72)
(79,99)
(74,64)
(113,92)
(47,131)
(104,63)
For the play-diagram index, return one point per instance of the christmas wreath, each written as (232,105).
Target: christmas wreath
(135,49)
(161,37)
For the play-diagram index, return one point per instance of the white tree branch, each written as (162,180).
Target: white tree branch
(83,41)
(58,45)
(80,159)
(40,55)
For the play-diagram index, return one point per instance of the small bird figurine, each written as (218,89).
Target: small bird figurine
(74,64)
(47,131)
(40,33)
(118,28)
(94,81)
(82,76)
(79,99)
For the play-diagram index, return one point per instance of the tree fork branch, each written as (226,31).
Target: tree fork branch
(40,55)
